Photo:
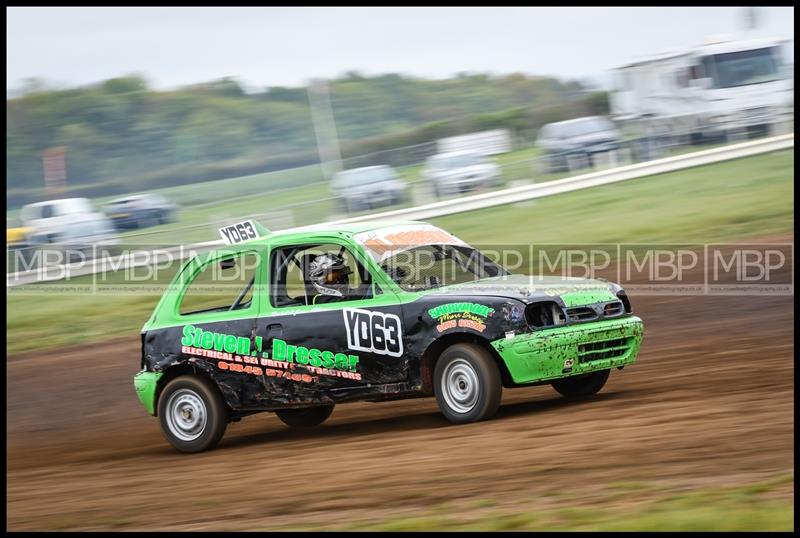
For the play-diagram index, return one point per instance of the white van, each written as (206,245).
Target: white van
(69,221)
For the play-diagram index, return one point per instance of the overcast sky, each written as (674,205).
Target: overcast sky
(286,46)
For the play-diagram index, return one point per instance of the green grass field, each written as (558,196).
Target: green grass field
(287,198)
(720,202)
(765,506)
(751,197)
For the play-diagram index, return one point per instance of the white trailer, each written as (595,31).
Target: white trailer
(720,87)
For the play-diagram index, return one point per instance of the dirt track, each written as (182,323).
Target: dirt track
(709,402)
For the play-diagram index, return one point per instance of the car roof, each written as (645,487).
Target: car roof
(579,120)
(57,201)
(132,197)
(456,153)
(349,228)
(364,168)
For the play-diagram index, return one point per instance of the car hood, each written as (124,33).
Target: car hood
(531,289)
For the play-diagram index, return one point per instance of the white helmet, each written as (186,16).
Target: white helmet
(328,274)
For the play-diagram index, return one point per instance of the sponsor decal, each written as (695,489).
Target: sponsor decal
(313,357)
(373,332)
(236,354)
(385,242)
(219,342)
(239,232)
(463,315)
(455,308)
(568,365)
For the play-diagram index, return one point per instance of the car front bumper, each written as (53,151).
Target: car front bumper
(581,348)
(464,185)
(124,221)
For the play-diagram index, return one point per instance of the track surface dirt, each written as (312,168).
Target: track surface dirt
(708,403)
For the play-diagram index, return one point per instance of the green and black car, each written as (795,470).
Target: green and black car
(248,328)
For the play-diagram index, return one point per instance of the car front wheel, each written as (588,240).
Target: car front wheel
(192,414)
(582,385)
(467,384)
(305,418)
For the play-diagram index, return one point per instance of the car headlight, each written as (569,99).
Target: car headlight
(626,302)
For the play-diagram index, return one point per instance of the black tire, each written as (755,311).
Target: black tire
(467,384)
(179,406)
(305,418)
(582,385)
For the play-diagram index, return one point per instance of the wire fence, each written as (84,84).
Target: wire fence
(322,204)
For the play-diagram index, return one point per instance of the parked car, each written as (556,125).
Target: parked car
(574,143)
(68,221)
(460,171)
(368,311)
(368,187)
(17,248)
(140,211)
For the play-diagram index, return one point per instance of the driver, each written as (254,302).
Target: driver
(328,273)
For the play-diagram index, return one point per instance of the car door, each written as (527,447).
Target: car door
(331,349)
(207,318)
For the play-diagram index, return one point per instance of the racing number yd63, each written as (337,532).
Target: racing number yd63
(373,332)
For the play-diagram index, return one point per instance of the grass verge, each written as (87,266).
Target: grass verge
(724,202)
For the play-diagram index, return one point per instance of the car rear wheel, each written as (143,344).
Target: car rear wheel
(582,385)
(305,418)
(192,414)
(467,384)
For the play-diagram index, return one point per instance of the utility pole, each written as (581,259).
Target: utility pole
(319,100)
(55,170)
(751,16)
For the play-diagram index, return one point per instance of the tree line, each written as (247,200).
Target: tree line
(121,135)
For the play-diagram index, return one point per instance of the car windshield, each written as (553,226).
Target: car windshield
(580,127)
(436,266)
(743,67)
(458,161)
(422,256)
(364,176)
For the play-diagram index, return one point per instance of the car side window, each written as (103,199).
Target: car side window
(221,285)
(293,284)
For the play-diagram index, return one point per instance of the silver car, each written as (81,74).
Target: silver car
(140,211)
(460,171)
(574,143)
(368,187)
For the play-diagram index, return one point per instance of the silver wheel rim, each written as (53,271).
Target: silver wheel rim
(186,415)
(460,386)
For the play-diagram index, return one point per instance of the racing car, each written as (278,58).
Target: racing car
(295,322)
